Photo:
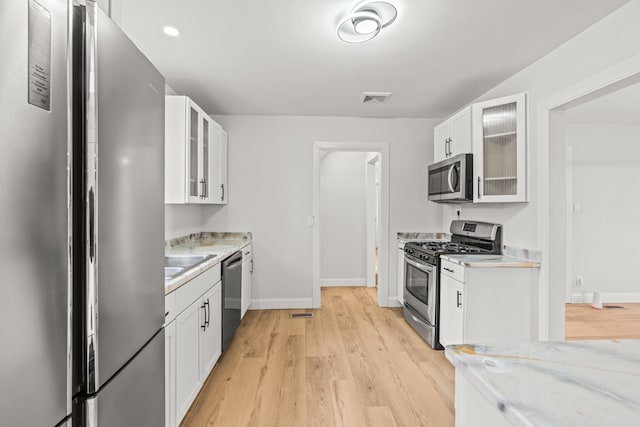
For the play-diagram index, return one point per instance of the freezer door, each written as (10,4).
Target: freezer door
(135,396)
(128,280)
(34,254)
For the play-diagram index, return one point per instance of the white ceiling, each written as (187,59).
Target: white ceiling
(622,106)
(282,57)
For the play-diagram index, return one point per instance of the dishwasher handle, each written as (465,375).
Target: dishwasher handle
(233,261)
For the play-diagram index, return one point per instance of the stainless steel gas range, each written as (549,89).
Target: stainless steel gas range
(422,272)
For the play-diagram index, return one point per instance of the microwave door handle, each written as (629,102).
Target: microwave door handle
(450,178)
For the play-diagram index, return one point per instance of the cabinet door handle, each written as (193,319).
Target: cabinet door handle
(202,188)
(251,267)
(206,188)
(204,324)
(208,313)
(222,197)
(478,187)
(458,299)
(447,269)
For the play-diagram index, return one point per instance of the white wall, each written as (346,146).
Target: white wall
(343,217)
(606,167)
(181,220)
(270,190)
(604,45)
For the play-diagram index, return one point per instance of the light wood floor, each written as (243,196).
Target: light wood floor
(354,364)
(586,323)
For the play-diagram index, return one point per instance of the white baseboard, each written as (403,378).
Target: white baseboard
(359,281)
(395,302)
(609,297)
(280,303)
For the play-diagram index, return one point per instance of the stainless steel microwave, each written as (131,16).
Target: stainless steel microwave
(451,180)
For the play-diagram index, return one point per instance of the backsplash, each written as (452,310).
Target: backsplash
(522,253)
(206,235)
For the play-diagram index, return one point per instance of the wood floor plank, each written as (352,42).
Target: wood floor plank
(584,322)
(380,416)
(353,364)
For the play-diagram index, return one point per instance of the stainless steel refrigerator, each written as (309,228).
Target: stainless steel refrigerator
(81,220)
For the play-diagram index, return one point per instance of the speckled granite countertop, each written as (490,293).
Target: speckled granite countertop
(404,236)
(573,383)
(490,261)
(206,243)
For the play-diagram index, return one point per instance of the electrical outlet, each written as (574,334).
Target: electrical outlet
(577,207)
(579,281)
(458,211)
(309,221)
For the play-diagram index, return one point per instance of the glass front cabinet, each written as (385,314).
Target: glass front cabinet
(193,164)
(500,150)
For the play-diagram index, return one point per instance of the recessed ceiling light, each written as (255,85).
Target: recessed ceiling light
(366,20)
(171,31)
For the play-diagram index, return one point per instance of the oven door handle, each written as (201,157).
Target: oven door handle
(424,267)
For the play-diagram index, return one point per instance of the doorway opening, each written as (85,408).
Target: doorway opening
(590,160)
(350,209)
(373,206)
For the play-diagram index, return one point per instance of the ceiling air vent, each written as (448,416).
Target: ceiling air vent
(375,97)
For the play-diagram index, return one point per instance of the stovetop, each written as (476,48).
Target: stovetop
(439,247)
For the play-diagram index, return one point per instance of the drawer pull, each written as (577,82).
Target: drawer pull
(448,269)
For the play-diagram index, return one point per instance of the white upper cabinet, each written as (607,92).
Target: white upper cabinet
(192,153)
(499,150)
(453,136)
(221,192)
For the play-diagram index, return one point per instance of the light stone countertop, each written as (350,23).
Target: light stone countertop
(572,383)
(221,244)
(490,261)
(405,236)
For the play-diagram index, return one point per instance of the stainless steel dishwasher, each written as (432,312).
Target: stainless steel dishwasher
(231,296)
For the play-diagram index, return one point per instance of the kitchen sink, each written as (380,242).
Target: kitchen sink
(172,272)
(185,261)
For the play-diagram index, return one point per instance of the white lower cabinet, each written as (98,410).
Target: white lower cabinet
(485,305)
(210,336)
(247,273)
(193,341)
(187,357)
(451,312)
(170,373)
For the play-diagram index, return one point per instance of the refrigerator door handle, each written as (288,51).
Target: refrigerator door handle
(89,12)
(92,226)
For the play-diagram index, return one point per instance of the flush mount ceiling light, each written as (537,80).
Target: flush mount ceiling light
(171,31)
(366,20)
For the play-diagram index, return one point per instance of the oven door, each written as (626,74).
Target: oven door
(420,288)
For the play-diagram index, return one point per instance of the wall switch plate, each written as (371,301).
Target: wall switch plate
(577,207)
(579,281)
(309,221)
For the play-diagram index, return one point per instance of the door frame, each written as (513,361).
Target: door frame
(383,260)
(371,215)
(617,77)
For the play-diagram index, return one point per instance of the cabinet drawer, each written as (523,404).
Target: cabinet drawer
(453,270)
(169,308)
(191,291)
